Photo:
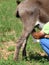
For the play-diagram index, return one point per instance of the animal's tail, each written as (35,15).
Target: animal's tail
(18,2)
(17,13)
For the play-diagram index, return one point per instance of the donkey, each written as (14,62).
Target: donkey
(29,12)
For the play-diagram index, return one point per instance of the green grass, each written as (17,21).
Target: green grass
(11,48)
(10,29)
(8,21)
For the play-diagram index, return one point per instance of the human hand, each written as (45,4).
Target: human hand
(38,35)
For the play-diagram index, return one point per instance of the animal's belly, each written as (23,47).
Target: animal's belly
(45,5)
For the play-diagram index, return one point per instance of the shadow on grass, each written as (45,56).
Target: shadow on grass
(37,57)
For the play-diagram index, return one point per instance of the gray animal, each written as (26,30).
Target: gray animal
(29,12)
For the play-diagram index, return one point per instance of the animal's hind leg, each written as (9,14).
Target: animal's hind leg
(24,55)
(19,44)
(24,48)
(29,20)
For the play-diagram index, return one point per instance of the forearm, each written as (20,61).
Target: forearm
(46,36)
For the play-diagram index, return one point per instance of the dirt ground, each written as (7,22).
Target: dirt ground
(4,50)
